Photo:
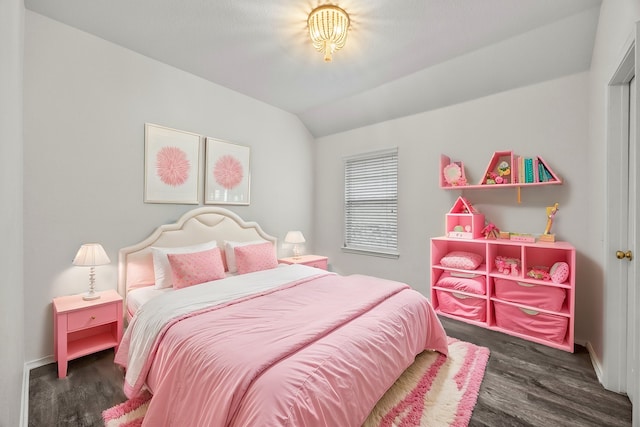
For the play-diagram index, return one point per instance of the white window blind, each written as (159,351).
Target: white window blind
(371,202)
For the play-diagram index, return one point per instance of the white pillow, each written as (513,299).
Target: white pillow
(230,254)
(161,266)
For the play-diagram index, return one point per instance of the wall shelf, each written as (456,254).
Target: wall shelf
(512,180)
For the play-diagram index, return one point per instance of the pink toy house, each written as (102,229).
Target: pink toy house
(463,221)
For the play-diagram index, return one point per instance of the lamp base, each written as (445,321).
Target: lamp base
(91,293)
(90,296)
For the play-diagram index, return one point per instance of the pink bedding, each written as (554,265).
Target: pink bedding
(315,352)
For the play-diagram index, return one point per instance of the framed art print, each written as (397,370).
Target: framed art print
(227,173)
(171,165)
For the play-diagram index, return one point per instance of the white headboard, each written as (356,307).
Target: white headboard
(201,225)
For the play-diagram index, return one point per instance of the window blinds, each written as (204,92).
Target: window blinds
(371,202)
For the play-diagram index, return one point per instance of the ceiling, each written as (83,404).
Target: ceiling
(400,56)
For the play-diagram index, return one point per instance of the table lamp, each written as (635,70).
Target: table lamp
(295,237)
(90,255)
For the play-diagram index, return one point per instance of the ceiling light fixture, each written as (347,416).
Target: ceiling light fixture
(328,25)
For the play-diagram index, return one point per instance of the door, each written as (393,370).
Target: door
(621,361)
(633,357)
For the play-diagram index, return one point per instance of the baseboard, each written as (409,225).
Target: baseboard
(597,367)
(24,404)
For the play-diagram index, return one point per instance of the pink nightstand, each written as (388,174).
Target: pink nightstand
(84,327)
(316,261)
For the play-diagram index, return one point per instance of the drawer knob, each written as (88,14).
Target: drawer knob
(93,317)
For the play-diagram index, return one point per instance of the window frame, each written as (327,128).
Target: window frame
(386,251)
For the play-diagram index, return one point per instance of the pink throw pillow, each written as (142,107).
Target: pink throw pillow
(462,260)
(255,257)
(196,267)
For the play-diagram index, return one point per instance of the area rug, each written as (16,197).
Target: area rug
(435,391)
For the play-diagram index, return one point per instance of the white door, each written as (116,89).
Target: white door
(633,321)
(622,302)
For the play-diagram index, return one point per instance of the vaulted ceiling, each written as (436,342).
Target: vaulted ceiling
(402,57)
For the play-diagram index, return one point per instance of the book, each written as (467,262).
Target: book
(547,173)
(528,169)
(541,176)
(520,169)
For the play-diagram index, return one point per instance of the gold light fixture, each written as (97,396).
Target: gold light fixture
(328,25)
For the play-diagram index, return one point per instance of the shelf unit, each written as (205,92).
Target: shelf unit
(497,156)
(496,311)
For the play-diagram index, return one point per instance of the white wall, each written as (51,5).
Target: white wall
(11,295)
(86,102)
(549,119)
(616,28)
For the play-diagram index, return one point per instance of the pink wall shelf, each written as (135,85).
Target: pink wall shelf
(541,173)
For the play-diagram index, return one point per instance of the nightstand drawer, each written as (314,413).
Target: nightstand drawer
(318,264)
(95,316)
(316,261)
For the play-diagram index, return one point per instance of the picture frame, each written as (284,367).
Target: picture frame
(227,173)
(171,165)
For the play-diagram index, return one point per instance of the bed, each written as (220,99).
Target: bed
(262,343)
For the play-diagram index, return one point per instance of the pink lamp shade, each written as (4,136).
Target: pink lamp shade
(90,255)
(295,237)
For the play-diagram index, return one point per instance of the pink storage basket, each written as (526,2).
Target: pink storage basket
(462,305)
(541,296)
(465,282)
(533,323)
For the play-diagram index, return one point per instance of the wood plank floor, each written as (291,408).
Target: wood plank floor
(528,384)
(525,384)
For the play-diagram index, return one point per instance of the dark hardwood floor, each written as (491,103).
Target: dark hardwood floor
(525,384)
(528,384)
(93,384)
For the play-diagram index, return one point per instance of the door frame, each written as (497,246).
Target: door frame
(633,318)
(616,217)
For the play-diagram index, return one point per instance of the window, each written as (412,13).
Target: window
(371,203)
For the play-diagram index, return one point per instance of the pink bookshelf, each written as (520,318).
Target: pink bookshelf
(511,302)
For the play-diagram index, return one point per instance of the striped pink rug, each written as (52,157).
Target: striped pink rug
(435,391)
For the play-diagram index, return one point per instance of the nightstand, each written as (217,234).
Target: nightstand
(85,327)
(316,261)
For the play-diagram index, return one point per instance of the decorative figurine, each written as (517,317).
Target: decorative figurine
(504,170)
(490,231)
(551,213)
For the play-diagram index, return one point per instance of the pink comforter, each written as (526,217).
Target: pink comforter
(318,352)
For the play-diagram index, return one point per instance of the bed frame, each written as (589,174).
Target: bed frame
(200,225)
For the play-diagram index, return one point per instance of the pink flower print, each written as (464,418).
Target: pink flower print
(172,166)
(228,172)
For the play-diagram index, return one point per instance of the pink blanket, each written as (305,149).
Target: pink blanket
(313,353)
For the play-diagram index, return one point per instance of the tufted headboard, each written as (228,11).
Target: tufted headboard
(200,225)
